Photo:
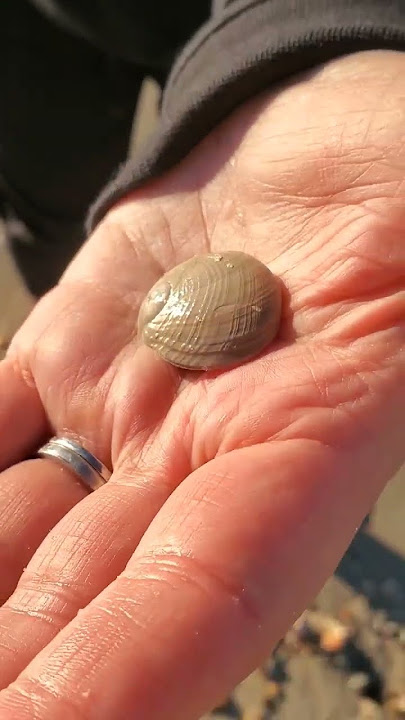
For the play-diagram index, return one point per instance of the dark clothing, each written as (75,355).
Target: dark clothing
(70,75)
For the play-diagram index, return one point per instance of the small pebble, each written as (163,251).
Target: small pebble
(272,691)
(334,638)
(358,682)
(391,629)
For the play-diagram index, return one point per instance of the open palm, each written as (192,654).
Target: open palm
(233,494)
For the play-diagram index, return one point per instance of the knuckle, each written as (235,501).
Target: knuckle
(182,570)
(50,601)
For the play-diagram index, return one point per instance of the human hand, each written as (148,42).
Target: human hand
(234,494)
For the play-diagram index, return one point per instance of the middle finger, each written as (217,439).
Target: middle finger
(34,495)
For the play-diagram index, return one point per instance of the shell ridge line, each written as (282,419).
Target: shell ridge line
(185,293)
(191,313)
(214,330)
(207,286)
(189,292)
(226,291)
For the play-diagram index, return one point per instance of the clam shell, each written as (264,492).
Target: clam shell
(211,312)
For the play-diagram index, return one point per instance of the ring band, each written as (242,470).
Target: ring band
(91,471)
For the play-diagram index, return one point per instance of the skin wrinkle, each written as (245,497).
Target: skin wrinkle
(353,392)
(127,302)
(24,372)
(138,432)
(344,197)
(54,619)
(34,693)
(323,230)
(122,599)
(345,268)
(15,503)
(371,299)
(354,397)
(136,240)
(137,244)
(203,219)
(63,568)
(95,272)
(179,224)
(36,589)
(235,190)
(381,192)
(320,384)
(387,90)
(190,569)
(137,442)
(167,223)
(148,474)
(168,240)
(97,653)
(49,605)
(363,254)
(329,157)
(147,485)
(337,259)
(224,200)
(119,609)
(348,409)
(351,324)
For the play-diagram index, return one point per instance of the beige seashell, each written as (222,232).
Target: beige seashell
(212,312)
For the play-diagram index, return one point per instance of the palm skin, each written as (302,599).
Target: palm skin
(234,494)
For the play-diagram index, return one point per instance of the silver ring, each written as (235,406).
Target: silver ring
(91,471)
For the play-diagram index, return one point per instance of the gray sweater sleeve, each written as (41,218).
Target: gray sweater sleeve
(246,47)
